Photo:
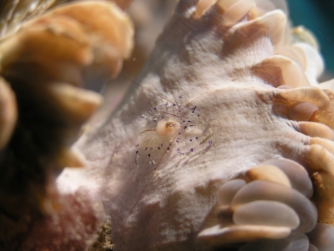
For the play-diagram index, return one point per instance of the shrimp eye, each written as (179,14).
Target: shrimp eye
(170,125)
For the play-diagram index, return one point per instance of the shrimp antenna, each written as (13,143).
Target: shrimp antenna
(176,102)
(189,103)
(159,95)
(149,130)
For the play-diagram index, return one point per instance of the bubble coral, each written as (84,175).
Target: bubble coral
(44,64)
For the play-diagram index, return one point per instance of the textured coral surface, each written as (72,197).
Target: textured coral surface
(233,88)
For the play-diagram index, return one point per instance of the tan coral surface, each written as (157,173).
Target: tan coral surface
(44,63)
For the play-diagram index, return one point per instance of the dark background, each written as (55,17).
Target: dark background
(317,16)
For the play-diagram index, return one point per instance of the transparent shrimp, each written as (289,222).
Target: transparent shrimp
(172,129)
